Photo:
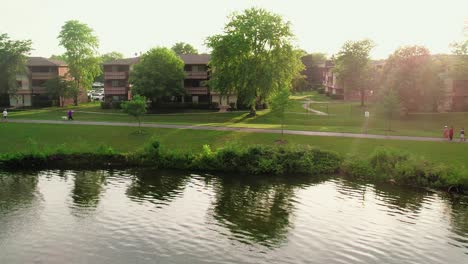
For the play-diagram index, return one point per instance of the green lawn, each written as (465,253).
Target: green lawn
(344,117)
(24,137)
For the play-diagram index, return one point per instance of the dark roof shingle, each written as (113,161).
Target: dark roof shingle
(195,58)
(187,58)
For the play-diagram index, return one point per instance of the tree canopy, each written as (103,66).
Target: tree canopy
(352,65)
(254,57)
(184,48)
(81,47)
(159,73)
(12,61)
(114,55)
(414,75)
(135,107)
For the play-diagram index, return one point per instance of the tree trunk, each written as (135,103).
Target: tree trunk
(282,127)
(362,97)
(253,111)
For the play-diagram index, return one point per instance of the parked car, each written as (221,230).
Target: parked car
(96,96)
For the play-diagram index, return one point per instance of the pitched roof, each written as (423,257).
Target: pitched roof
(127,61)
(195,58)
(41,61)
(187,58)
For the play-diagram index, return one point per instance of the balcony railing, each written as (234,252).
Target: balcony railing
(115,75)
(196,75)
(115,90)
(43,75)
(38,90)
(196,90)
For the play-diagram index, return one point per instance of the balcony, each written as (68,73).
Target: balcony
(115,91)
(38,90)
(43,75)
(196,90)
(196,75)
(115,75)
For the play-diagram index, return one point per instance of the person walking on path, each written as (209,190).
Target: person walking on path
(70,114)
(462,135)
(446,132)
(5,115)
(451,133)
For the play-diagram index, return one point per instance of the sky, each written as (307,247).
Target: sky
(323,26)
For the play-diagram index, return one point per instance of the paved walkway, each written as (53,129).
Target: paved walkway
(317,112)
(237,129)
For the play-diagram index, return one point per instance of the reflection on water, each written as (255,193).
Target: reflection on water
(146,216)
(87,188)
(256,208)
(17,190)
(155,186)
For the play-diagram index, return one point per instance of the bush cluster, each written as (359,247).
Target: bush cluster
(402,168)
(257,159)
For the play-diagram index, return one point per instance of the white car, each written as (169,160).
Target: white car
(97,96)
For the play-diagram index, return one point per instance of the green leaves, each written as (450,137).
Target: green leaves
(81,47)
(159,73)
(254,57)
(135,107)
(184,48)
(12,61)
(352,65)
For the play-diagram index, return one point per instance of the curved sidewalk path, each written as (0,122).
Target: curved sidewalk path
(237,129)
(317,112)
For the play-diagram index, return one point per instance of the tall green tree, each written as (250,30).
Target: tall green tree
(136,108)
(254,57)
(184,48)
(81,46)
(279,103)
(160,73)
(352,65)
(12,61)
(414,75)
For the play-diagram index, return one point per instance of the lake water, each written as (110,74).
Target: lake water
(174,217)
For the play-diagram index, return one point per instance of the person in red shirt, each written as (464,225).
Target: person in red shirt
(451,133)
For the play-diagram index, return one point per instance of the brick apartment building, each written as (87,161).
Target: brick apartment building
(336,88)
(32,83)
(117,87)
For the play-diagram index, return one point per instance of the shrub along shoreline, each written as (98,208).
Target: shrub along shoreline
(384,165)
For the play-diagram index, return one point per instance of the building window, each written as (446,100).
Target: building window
(116,83)
(115,68)
(19,83)
(201,68)
(38,83)
(188,68)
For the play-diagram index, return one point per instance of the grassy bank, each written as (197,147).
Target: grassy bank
(384,164)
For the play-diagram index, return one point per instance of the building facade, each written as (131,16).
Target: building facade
(32,83)
(118,88)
